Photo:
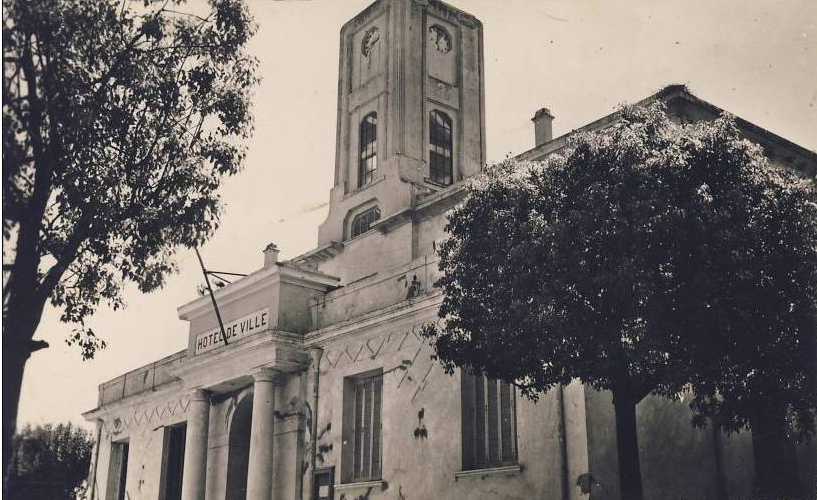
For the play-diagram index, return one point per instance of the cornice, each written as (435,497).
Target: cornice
(100,412)
(266,349)
(281,272)
(389,314)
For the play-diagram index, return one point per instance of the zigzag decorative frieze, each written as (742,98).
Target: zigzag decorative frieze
(414,370)
(142,416)
(352,351)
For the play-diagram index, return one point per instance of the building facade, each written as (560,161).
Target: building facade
(320,386)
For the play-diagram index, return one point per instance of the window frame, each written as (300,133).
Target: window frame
(489,429)
(172,434)
(440,148)
(117,470)
(367,150)
(362,459)
(354,231)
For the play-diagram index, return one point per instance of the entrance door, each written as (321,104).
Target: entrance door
(238,457)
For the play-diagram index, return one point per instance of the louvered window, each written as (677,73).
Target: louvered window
(368,150)
(364,422)
(441,155)
(488,422)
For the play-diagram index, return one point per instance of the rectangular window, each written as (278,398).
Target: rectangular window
(362,404)
(368,150)
(117,471)
(441,149)
(173,462)
(488,422)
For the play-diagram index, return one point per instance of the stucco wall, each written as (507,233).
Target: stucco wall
(417,467)
(678,461)
(141,423)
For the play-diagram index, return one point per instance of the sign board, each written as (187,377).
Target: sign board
(234,330)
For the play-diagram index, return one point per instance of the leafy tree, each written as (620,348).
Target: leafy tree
(119,123)
(49,462)
(635,261)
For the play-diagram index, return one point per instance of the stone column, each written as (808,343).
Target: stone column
(195,446)
(259,472)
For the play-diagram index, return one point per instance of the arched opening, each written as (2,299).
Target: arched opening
(238,457)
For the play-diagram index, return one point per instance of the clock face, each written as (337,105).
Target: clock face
(370,39)
(439,38)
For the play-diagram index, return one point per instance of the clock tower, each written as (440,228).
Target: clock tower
(410,116)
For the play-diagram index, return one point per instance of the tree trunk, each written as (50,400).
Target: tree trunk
(14,362)
(776,474)
(18,331)
(629,467)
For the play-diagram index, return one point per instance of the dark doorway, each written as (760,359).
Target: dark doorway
(324,488)
(238,457)
(173,462)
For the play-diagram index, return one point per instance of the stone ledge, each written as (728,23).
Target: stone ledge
(509,470)
(373,485)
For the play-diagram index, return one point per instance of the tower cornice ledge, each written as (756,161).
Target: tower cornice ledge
(278,273)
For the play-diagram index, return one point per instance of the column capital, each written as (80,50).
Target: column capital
(199,395)
(268,375)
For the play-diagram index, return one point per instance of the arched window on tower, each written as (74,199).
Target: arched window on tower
(368,150)
(441,155)
(364,220)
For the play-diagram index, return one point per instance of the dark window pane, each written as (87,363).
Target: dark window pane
(479,422)
(441,148)
(117,471)
(508,420)
(367,165)
(468,436)
(364,220)
(367,428)
(488,422)
(368,394)
(493,422)
(376,409)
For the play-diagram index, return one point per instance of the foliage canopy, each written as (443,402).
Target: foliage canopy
(120,121)
(648,257)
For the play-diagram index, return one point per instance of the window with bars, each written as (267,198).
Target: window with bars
(367,166)
(363,221)
(117,471)
(440,155)
(363,396)
(488,422)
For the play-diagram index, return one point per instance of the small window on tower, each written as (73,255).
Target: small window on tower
(440,149)
(368,150)
(364,221)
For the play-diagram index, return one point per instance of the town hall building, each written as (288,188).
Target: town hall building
(319,386)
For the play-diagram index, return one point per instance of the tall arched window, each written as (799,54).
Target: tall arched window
(368,150)
(440,149)
(364,220)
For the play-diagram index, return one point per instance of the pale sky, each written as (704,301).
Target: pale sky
(580,58)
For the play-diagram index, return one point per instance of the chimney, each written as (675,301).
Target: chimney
(542,126)
(270,255)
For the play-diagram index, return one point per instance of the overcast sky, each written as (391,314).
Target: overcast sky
(580,58)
